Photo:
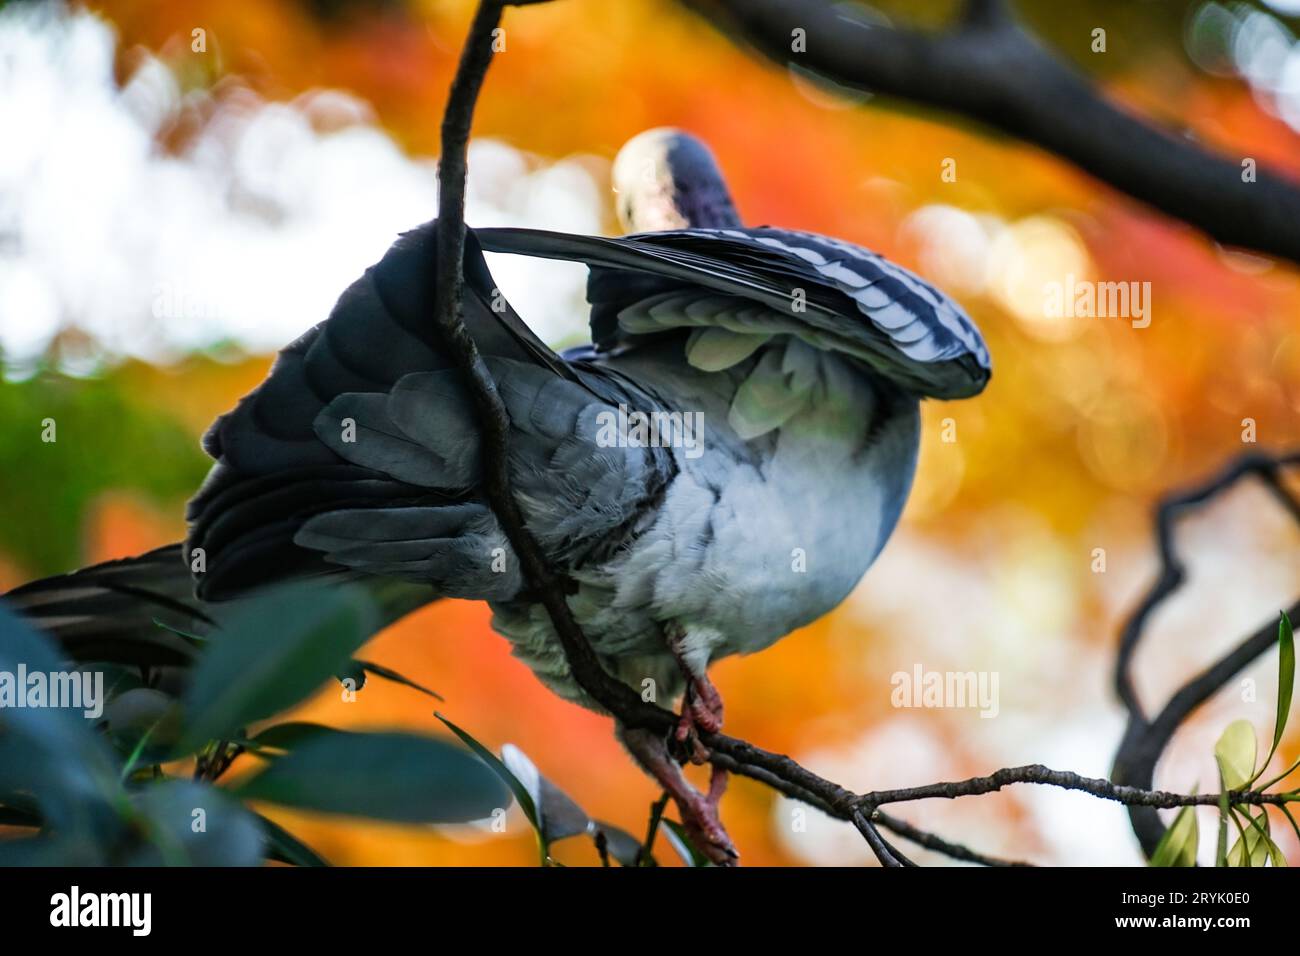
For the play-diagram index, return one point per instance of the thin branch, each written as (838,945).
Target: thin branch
(989,69)
(885,853)
(902,828)
(549,586)
(929,841)
(494,422)
(646,852)
(1067,780)
(1145,739)
(1172,571)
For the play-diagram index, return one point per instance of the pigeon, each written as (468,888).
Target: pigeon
(718,467)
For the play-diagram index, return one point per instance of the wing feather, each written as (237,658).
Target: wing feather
(832,291)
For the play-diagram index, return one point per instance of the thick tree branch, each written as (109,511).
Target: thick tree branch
(988,69)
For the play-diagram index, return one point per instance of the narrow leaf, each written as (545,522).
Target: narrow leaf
(387,776)
(168,816)
(620,844)
(272,653)
(1178,846)
(1235,754)
(559,815)
(1285,686)
(387,673)
(290,734)
(501,770)
(52,752)
(1221,844)
(283,846)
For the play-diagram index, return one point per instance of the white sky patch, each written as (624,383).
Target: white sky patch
(1236,38)
(251,232)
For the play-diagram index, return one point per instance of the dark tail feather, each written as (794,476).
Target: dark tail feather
(142,611)
(128,611)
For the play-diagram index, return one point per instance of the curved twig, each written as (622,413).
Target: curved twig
(1145,739)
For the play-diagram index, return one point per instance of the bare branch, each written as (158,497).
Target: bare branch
(928,840)
(886,854)
(907,831)
(1066,780)
(990,70)
(1145,740)
(493,419)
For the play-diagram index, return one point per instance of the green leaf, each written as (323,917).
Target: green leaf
(1178,846)
(352,671)
(194,640)
(142,715)
(52,752)
(50,851)
(191,824)
(1235,754)
(558,814)
(1295,827)
(1285,686)
(1237,856)
(1263,788)
(1264,849)
(503,772)
(283,846)
(272,653)
(387,776)
(620,844)
(387,673)
(1253,847)
(290,734)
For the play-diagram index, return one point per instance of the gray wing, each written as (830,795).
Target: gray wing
(578,494)
(359,453)
(834,294)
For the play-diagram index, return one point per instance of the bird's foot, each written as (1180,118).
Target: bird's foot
(704,825)
(701,704)
(699,811)
(701,711)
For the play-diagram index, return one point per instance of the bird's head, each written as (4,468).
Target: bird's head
(667,179)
